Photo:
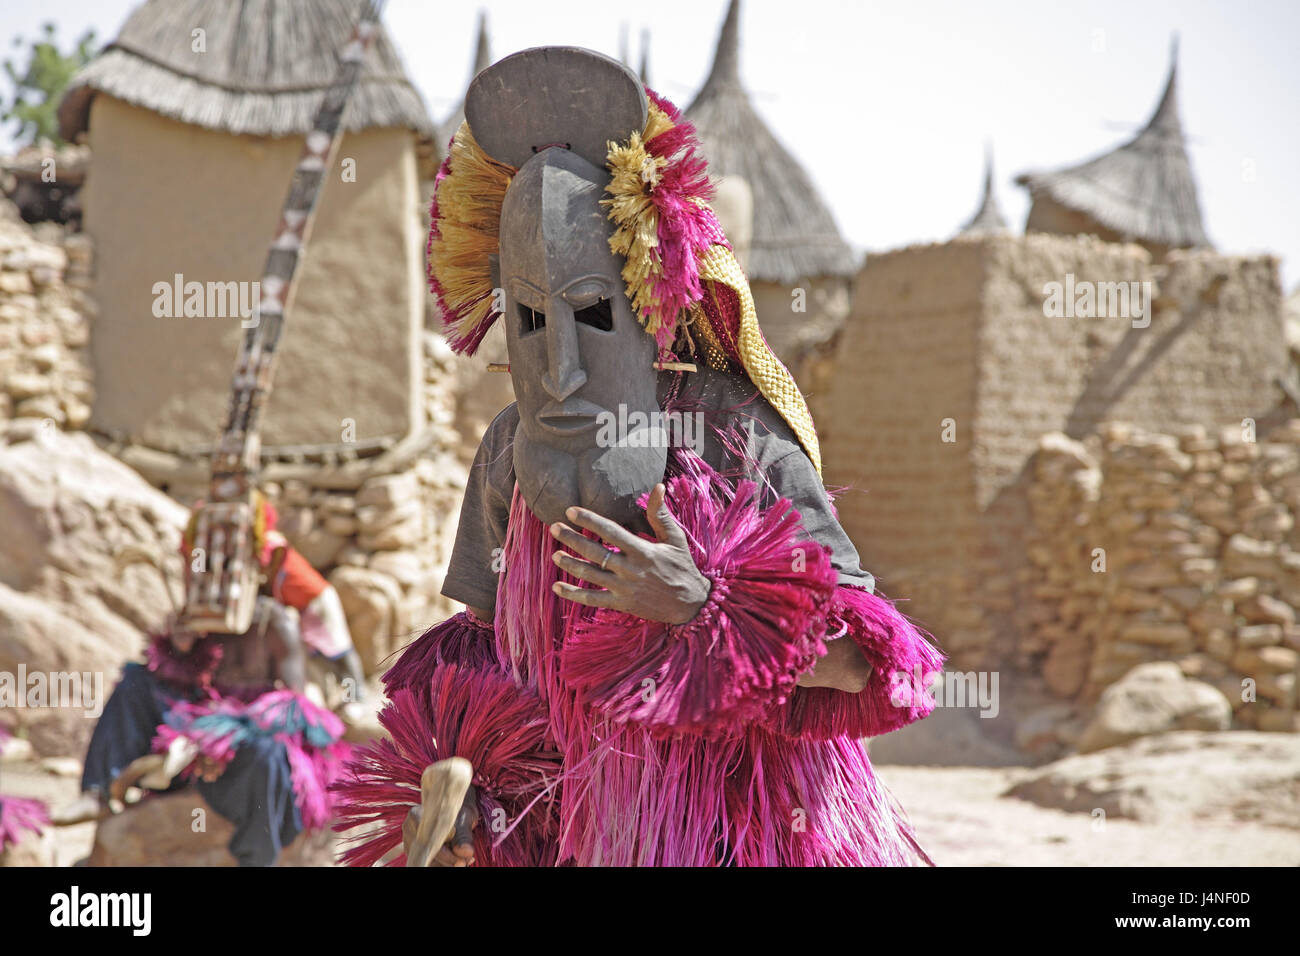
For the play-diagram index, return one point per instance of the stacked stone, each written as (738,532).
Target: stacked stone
(1151,546)
(440,393)
(45,318)
(384,545)
(1202,565)
(1061,609)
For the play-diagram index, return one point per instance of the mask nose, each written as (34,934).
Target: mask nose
(564,374)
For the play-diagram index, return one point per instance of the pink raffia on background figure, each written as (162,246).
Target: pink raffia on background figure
(193,669)
(312,737)
(19,816)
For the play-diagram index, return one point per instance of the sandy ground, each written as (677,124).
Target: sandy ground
(962,820)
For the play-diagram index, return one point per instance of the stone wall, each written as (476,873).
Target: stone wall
(383,545)
(45,318)
(1180,547)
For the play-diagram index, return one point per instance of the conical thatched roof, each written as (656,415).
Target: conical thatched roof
(988,220)
(264,71)
(482,60)
(1144,189)
(794,235)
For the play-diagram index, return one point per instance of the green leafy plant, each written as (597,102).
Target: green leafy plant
(38,87)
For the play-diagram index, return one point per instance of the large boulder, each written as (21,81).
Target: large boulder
(67,508)
(1152,699)
(370,600)
(1193,776)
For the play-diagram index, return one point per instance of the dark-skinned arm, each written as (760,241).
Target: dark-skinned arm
(286,647)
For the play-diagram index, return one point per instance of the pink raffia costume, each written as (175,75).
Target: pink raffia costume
(20,817)
(598,737)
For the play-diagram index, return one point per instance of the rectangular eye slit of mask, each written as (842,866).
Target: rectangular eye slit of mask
(599,316)
(530,320)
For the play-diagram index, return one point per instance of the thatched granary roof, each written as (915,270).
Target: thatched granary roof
(266,66)
(794,235)
(1143,189)
(988,219)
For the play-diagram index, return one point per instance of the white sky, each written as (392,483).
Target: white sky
(888,105)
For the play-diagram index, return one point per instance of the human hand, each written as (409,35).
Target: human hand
(656,580)
(458,850)
(843,668)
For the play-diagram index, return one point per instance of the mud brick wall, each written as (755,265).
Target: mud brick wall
(957,331)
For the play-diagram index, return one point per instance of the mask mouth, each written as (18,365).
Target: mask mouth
(570,417)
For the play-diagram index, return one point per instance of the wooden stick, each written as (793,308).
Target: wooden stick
(236,460)
(498,366)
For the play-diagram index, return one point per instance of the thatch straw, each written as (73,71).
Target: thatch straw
(266,66)
(794,235)
(1142,190)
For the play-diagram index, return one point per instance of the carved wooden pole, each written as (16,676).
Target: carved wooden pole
(223,583)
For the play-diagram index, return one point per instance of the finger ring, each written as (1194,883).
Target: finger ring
(605,560)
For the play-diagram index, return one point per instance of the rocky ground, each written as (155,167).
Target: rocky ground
(1184,798)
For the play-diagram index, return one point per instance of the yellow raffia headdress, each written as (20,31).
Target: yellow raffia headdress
(466,220)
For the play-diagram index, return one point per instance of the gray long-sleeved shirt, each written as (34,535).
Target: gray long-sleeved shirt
(771,456)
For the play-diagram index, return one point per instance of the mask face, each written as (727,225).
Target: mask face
(582,365)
